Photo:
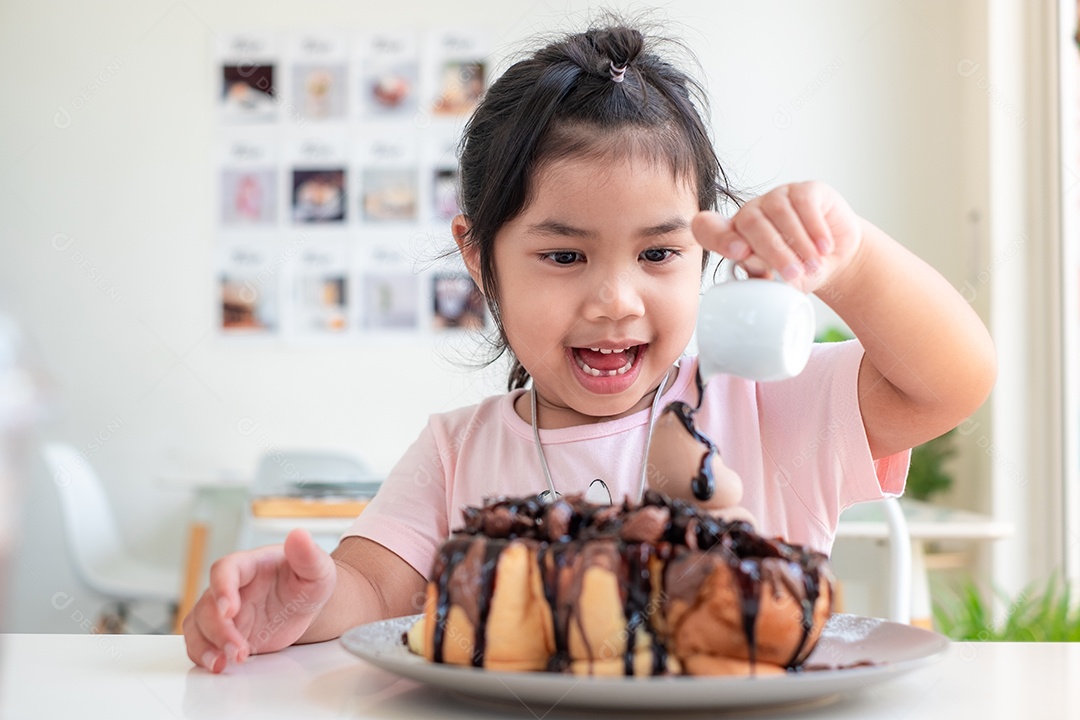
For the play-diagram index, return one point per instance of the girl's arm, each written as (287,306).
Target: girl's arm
(373,583)
(929,359)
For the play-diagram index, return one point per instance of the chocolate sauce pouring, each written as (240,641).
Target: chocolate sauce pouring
(677,457)
(703,484)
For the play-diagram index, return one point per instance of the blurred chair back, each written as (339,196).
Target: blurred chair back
(93,539)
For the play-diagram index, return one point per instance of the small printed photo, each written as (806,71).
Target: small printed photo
(248,92)
(460,86)
(249,197)
(319,91)
(458,302)
(247,304)
(318,196)
(320,304)
(391,301)
(445,194)
(390,91)
(389,194)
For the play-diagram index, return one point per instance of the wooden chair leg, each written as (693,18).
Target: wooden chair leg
(193,566)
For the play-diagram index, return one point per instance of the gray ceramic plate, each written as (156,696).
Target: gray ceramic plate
(889,648)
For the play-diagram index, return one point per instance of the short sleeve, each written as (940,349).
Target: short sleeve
(816,444)
(408,515)
(890,472)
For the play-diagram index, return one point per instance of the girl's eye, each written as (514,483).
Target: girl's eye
(564,257)
(657,255)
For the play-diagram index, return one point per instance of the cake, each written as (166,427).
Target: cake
(656,588)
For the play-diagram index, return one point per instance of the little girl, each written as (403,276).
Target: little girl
(588,194)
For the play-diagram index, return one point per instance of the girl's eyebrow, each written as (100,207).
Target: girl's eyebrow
(673,225)
(554,227)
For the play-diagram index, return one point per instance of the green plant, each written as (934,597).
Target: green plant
(927,475)
(832,334)
(1049,615)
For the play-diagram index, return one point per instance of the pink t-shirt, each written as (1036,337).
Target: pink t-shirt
(799,446)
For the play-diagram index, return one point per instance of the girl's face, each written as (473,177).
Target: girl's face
(599,281)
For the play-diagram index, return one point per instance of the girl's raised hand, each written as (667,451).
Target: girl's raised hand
(259,601)
(805,232)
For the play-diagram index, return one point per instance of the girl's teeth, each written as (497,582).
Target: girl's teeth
(610,373)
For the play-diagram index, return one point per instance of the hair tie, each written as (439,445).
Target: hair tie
(617,72)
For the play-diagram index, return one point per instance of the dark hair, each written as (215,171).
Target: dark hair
(563,101)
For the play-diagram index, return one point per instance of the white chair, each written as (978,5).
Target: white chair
(883,521)
(900,570)
(95,547)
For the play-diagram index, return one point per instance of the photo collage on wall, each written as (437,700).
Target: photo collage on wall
(336,181)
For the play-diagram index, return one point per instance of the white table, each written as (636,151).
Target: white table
(132,676)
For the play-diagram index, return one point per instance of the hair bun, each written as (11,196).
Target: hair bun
(620,45)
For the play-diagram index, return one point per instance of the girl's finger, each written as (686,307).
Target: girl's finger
(714,232)
(219,631)
(235,571)
(767,243)
(807,202)
(781,213)
(225,584)
(215,612)
(755,267)
(201,651)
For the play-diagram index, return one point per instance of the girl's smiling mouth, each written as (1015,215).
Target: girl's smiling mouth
(605,361)
(608,369)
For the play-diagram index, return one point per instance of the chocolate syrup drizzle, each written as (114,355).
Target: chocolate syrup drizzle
(749,579)
(552,560)
(639,539)
(704,483)
(487,592)
(450,556)
(637,588)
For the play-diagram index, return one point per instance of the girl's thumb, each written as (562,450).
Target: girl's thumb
(305,557)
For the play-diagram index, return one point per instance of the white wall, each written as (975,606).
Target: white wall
(862,94)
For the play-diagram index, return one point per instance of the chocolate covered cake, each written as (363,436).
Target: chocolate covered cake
(659,588)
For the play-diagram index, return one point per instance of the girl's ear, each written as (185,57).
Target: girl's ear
(469,252)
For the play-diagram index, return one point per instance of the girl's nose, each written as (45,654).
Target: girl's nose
(616,296)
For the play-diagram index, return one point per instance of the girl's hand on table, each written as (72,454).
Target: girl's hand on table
(805,232)
(259,601)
